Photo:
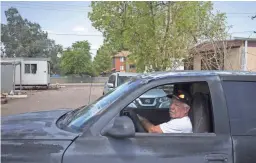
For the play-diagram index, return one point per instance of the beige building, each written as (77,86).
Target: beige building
(240,54)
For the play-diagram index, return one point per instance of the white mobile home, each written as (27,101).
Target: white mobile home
(34,71)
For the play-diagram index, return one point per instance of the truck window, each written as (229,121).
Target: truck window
(112,79)
(241,103)
(155,103)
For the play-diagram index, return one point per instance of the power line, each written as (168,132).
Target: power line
(86,8)
(49,4)
(72,34)
(240,13)
(34,45)
(45,4)
(242,32)
(41,8)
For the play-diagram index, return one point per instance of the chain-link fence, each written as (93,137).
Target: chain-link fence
(78,79)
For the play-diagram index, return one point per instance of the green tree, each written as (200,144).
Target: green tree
(156,32)
(77,59)
(22,38)
(103,60)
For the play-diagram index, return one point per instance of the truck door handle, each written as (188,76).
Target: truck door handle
(216,157)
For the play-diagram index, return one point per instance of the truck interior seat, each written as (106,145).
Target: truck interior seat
(200,110)
(200,114)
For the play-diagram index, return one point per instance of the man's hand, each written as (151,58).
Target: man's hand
(149,126)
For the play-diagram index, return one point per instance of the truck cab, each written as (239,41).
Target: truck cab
(222,113)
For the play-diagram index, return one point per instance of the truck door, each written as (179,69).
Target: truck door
(211,146)
(241,102)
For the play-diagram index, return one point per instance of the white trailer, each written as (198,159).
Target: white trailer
(34,71)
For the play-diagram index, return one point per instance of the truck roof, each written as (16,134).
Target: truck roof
(127,73)
(192,73)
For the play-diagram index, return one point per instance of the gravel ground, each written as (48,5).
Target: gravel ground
(41,100)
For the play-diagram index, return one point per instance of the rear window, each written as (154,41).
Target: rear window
(241,102)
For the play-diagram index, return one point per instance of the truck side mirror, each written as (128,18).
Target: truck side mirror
(123,127)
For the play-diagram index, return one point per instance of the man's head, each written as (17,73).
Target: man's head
(180,105)
(178,109)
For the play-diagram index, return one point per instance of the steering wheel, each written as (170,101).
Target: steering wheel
(137,123)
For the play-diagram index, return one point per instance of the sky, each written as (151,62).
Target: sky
(72,18)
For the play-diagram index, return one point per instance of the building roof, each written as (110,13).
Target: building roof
(208,46)
(122,54)
(245,38)
(25,59)
(9,62)
(229,44)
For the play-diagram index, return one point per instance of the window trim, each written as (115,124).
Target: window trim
(35,68)
(30,68)
(26,69)
(138,134)
(220,122)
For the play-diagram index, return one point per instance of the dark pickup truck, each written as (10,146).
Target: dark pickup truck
(223,116)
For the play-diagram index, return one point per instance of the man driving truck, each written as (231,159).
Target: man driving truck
(180,122)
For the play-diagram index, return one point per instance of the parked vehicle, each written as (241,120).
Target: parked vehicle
(151,99)
(116,79)
(222,113)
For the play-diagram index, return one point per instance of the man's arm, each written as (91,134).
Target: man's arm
(149,126)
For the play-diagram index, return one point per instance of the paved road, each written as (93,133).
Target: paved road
(67,97)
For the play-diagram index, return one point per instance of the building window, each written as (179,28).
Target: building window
(27,68)
(33,68)
(121,67)
(30,68)
(49,67)
(132,66)
(121,59)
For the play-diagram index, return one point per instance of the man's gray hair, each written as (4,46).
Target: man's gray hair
(186,106)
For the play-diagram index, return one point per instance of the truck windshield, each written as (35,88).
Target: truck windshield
(83,115)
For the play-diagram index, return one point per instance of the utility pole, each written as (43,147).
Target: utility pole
(245,55)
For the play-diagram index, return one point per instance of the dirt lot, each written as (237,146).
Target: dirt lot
(68,97)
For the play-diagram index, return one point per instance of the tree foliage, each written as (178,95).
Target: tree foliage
(103,60)
(23,38)
(155,32)
(77,59)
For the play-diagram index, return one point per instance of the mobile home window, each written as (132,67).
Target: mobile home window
(27,68)
(30,68)
(33,68)
(49,67)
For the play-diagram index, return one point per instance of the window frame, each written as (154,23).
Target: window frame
(30,68)
(219,109)
(31,65)
(121,67)
(139,134)
(121,59)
